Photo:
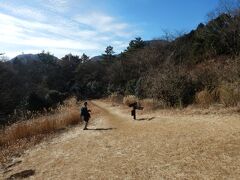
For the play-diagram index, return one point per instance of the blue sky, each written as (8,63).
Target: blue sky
(88,26)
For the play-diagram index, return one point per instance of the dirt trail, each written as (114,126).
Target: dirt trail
(157,147)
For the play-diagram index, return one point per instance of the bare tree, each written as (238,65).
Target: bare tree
(231,7)
(3,58)
(168,35)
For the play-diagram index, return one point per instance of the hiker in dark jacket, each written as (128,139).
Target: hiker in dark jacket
(85,114)
(135,107)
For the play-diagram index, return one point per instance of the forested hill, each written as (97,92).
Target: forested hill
(25,58)
(171,71)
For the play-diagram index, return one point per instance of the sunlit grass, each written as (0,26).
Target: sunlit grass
(29,131)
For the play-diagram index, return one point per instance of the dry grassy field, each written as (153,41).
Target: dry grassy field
(24,134)
(164,144)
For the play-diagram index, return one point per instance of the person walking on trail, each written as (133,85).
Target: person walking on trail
(135,107)
(85,114)
(133,112)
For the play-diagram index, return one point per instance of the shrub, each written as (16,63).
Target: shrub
(130,87)
(130,99)
(54,98)
(215,95)
(38,103)
(171,85)
(204,98)
(35,102)
(148,104)
(116,98)
(229,95)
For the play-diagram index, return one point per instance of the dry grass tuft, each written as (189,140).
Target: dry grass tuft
(204,98)
(229,95)
(130,99)
(148,104)
(17,148)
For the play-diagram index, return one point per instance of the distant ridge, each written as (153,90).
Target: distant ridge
(97,58)
(24,58)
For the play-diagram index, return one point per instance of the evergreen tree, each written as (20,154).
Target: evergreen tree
(109,53)
(135,44)
(84,58)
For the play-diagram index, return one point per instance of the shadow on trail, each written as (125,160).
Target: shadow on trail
(145,119)
(101,129)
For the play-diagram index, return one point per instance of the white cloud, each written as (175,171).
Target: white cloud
(104,23)
(24,28)
(23,11)
(42,42)
(26,33)
(57,5)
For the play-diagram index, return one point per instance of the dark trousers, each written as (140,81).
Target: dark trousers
(133,113)
(85,119)
(86,124)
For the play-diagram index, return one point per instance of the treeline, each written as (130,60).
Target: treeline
(174,72)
